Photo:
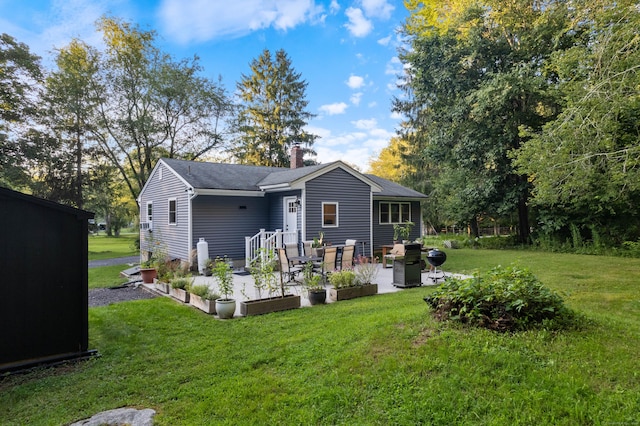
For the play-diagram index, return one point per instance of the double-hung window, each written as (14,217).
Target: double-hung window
(173,211)
(329,215)
(392,213)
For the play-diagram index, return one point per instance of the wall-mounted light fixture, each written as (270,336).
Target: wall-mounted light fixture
(298,201)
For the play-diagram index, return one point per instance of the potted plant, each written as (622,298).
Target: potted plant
(402,231)
(180,288)
(203,298)
(225,305)
(314,286)
(317,245)
(148,271)
(270,296)
(352,283)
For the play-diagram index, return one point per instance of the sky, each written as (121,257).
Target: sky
(346,51)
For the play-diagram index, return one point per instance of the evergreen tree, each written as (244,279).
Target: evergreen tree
(272,114)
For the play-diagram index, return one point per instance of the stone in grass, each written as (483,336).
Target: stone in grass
(120,417)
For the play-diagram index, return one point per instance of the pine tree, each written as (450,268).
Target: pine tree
(272,115)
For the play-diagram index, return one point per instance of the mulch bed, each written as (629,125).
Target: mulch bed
(107,296)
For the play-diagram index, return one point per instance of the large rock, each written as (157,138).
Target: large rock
(120,417)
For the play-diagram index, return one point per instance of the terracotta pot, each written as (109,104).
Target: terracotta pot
(148,274)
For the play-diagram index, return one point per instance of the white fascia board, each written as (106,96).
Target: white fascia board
(277,187)
(153,173)
(397,198)
(229,192)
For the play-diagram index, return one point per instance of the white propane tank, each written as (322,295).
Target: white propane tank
(203,255)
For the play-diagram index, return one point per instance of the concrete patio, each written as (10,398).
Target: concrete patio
(243,282)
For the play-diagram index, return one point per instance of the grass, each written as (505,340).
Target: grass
(375,360)
(103,247)
(107,276)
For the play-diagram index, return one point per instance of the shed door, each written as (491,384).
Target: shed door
(290,214)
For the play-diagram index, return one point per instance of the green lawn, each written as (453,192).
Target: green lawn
(376,360)
(107,276)
(103,247)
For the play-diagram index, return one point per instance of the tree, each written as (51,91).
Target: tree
(72,106)
(272,115)
(585,165)
(151,105)
(476,75)
(389,164)
(20,79)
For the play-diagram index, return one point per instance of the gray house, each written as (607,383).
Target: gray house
(238,208)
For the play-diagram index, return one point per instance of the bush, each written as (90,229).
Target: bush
(204,292)
(503,299)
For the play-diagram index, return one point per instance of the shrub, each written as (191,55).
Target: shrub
(503,299)
(366,270)
(204,292)
(182,283)
(343,279)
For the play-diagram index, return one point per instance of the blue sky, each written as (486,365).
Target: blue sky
(346,51)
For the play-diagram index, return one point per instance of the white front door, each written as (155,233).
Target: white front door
(290,214)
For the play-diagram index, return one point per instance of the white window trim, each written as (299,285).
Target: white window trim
(149,219)
(174,199)
(380,222)
(337,214)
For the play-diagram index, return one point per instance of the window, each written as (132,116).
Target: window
(391,213)
(329,214)
(172,211)
(149,211)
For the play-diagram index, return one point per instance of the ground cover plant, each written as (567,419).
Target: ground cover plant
(104,247)
(502,299)
(374,360)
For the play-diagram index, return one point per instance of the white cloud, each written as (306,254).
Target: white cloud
(335,108)
(396,116)
(377,8)
(355,98)
(384,41)
(365,124)
(372,104)
(355,81)
(358,25)
(201,20)
(394,66)
(334,6)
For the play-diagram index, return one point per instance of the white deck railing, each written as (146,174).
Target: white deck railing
(267,240)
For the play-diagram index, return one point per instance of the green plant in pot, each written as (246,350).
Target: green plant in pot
(223,274)
(401,231)
(180,288)
(317,244)
(203,298)
(314,285)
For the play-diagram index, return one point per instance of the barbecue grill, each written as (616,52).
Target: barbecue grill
(436,258)
(406,268)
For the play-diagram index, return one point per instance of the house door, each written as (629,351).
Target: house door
(290,214)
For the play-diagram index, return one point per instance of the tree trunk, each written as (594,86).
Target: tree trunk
(523,220)
(473,226)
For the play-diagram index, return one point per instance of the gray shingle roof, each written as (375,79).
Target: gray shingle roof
(392,189)
(202,175)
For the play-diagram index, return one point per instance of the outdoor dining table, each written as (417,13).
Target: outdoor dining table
(305,259)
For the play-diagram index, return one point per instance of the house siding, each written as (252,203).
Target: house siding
(225,221)
(174,237)
(276,209)
(383,233)
(354,204)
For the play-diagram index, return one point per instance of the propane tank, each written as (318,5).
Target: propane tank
(203,255)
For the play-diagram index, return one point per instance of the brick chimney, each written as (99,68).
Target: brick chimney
(296,157)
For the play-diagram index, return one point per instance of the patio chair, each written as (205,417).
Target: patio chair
(306,245)
(292,251)
(328,263)
(286,269)
(347,257)
(397,250)
(350,243)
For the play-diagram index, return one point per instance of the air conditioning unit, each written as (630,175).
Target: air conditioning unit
(146,226)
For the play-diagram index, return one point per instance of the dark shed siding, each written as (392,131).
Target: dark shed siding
(46,244)
(354,202)
(224,222)
(175,237)
(383,233)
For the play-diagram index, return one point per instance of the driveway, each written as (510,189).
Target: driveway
(114,261)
